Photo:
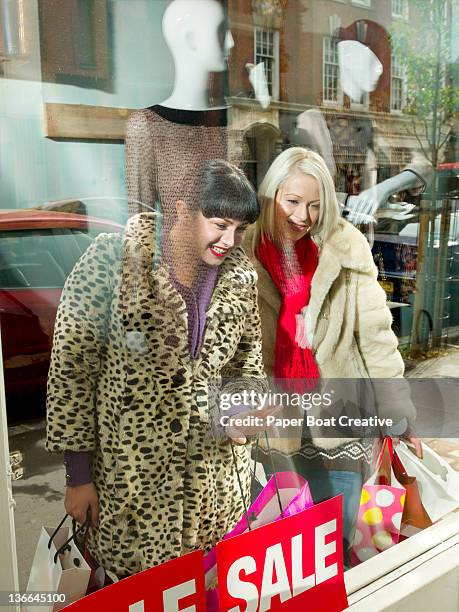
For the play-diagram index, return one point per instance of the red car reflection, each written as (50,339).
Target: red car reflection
(38,249)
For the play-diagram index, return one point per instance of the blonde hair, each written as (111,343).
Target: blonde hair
(297,159)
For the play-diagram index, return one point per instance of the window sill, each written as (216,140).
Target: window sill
(359,107)
(332,105)
(364,6)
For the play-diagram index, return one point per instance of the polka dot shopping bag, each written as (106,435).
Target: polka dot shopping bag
(381,509)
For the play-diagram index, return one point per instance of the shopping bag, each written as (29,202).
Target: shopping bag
(415,517)
(292,493)
(288,489)
(285,494)
(294,564)
(58,567)
(381,509)
(438,483)
(177,584)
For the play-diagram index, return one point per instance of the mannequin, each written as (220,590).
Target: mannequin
(360,70)
(361,208)
(167,143)
(191,30)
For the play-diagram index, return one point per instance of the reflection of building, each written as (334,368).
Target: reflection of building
(297,40)
(257,27)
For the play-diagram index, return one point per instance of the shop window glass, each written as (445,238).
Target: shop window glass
(88,114)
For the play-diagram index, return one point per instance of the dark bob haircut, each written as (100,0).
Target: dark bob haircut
(222,190)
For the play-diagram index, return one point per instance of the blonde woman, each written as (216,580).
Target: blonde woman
(324,316)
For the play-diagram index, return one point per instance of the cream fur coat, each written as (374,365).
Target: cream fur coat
(348,325)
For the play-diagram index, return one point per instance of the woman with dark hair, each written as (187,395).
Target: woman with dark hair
(146,322)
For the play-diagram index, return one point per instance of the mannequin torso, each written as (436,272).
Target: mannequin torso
(164,147)
(166,143)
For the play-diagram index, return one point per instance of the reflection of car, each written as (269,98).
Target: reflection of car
(38,249)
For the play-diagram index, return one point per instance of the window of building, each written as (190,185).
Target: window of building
(267,51)
(74,41)
(400,8)
(366,3)
(330,86)
(398,83)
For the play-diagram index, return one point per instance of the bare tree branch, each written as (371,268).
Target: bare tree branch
(427,153)
(426,129)
(441,144)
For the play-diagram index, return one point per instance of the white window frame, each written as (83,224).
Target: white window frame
(339,92)
(362,3)
(401,77)
(9,577)
(274,92)
(405,10)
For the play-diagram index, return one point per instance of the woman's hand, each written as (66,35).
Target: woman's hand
(238,433)
(78,500)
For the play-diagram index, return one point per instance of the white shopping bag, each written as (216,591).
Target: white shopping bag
(438,483)
(66,574)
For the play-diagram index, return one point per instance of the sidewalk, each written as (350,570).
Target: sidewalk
(444,366)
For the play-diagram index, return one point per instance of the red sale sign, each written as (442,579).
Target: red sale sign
(292,564)
(177,585)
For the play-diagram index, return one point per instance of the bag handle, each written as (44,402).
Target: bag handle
(75,533)
(246,511)
(80,544)
(274,475)
(387,444)
(255,462)
(53,535)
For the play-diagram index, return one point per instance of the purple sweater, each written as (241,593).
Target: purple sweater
(197,299)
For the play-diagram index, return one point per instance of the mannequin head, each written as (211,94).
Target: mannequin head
(360,69)
(196,33)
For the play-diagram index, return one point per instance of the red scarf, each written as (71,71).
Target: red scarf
(294,368)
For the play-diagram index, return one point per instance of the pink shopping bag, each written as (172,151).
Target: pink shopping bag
(292,495)
(381,509)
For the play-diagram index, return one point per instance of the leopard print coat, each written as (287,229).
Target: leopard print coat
(123,385)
